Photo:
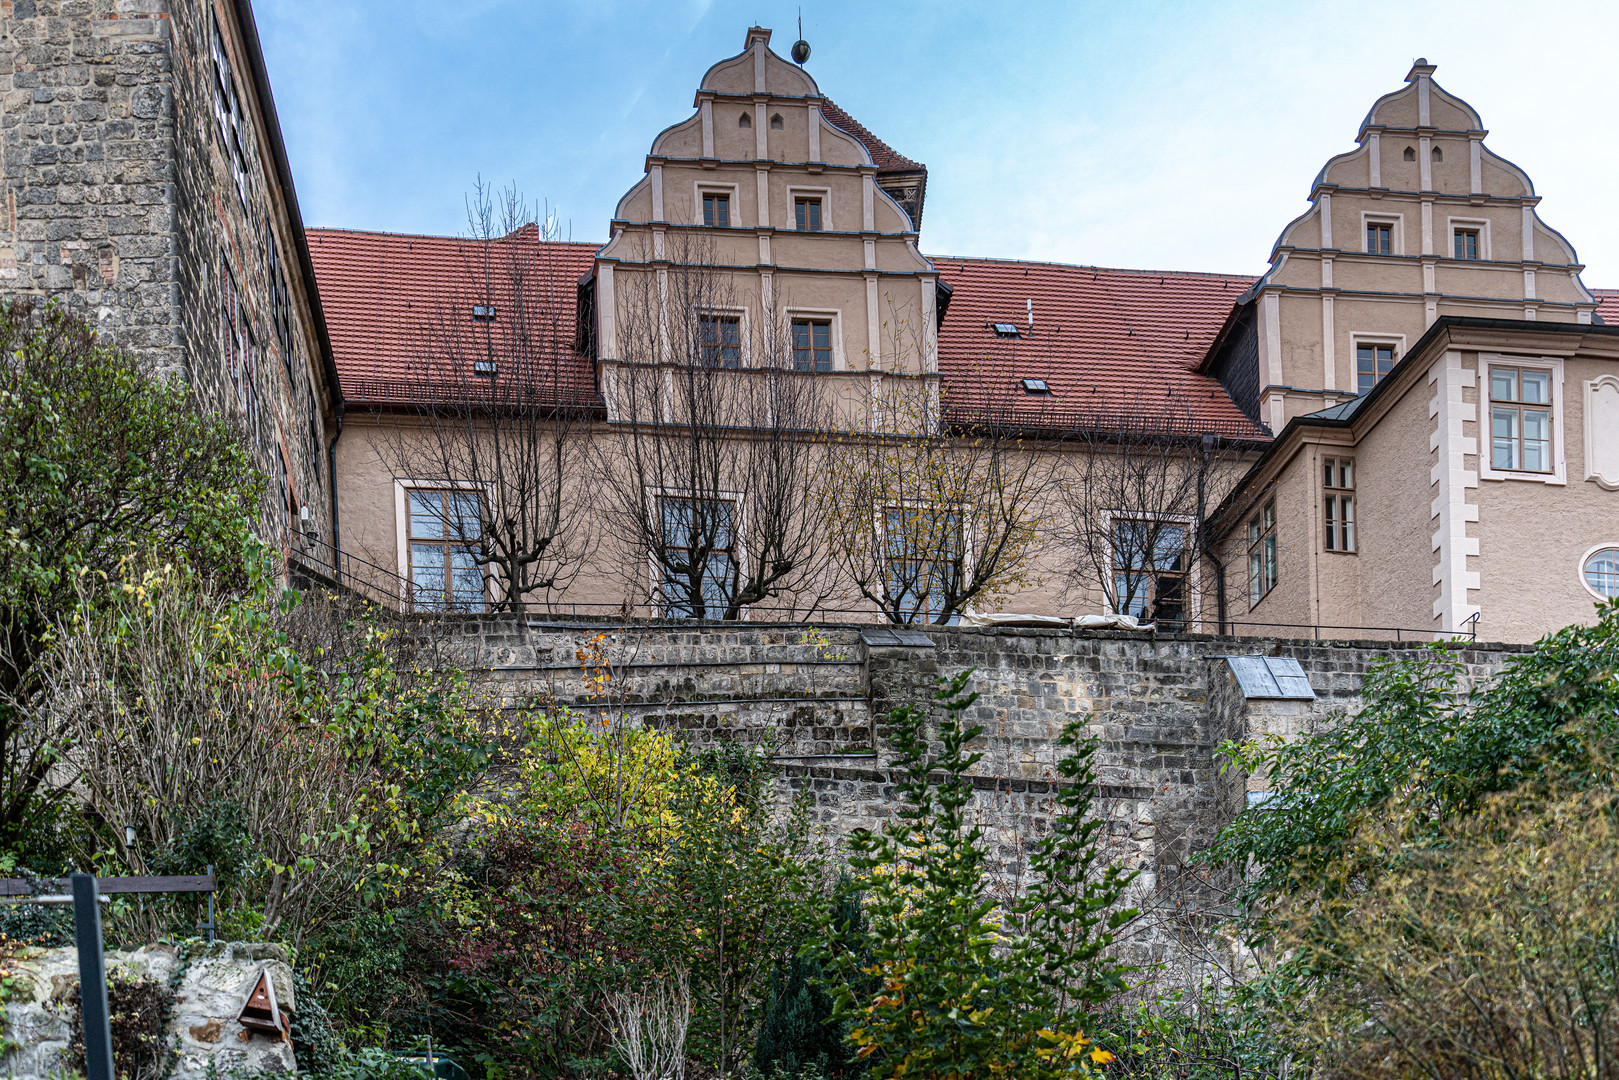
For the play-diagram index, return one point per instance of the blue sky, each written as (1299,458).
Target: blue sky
(1156,135)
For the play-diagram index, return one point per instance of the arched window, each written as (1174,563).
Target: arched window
(1601,572)
(1410,153)
(745,122)
(775,122)
(1438,154)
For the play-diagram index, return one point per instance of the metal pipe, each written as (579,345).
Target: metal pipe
(92,979)
(331,475)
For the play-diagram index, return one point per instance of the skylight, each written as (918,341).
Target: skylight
(483,312)
(1005,329)
(484,367)
(1036,386)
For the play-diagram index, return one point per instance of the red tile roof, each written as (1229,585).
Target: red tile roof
(1108,342)
(886,157)
(384,294)
(1608,305)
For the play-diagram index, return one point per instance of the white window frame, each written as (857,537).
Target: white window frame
(835,315)
(795,191)
(1554,364)
(739,551)
(1193,610)
(1482,225)
(1340,493)
(712,187)
(1357,338)
(494,588)
(1396,223)
(1579,567)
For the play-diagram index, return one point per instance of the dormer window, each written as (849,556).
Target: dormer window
(483,312)
(716,210)
(1036,387)
(1005,329)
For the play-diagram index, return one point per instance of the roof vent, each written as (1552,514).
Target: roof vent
(1036,387)
(1005,329)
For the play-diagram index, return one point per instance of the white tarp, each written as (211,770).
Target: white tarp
(1083,622)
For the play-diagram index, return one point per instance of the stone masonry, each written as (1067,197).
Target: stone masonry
(122,203)
(209,984)
(815,699)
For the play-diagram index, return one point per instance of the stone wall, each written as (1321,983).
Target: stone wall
(816,698)
(210,986)
(121,204)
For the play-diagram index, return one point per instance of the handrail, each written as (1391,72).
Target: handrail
(388,587)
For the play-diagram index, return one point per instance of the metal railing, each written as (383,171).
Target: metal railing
(386,587)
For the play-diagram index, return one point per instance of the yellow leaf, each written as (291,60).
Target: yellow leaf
(1101,1057)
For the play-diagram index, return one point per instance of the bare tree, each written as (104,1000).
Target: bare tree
(1131,505)
(707,472)
(506,423)
(934,506)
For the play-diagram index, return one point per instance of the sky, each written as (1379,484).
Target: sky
(1164,136)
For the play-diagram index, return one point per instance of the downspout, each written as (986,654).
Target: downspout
(331,473)
(1202,532)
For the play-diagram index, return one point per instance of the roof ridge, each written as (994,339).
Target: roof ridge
(1090,266)
(437,236)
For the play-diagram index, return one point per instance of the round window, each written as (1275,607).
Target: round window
(1601,572)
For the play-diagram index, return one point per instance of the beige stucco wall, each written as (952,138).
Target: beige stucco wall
(1532,535)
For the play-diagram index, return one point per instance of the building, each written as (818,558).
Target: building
(772,241)
(1444,392)
(147,188)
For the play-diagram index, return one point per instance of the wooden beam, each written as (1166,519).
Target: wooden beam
(183,883)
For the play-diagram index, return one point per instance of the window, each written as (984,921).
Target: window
(485,367)
(1601,572)
(280,302)
(1379,238)
(924,553)
(1036,387)
(808,213)
(1339,482)
(716,210)
(1149,569)
(776,122)
(719,340)
(1438,154)
(697,560)
(313,418)
(744,121)
(1262,554)
(1466,244)
(1005,329)
(483,312)
(1410,153)
(444,571)
(228,112)
(1520,419)
(1372,362)
(238,348)
(812,345)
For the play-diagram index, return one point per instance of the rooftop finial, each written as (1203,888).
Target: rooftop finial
(801,49)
